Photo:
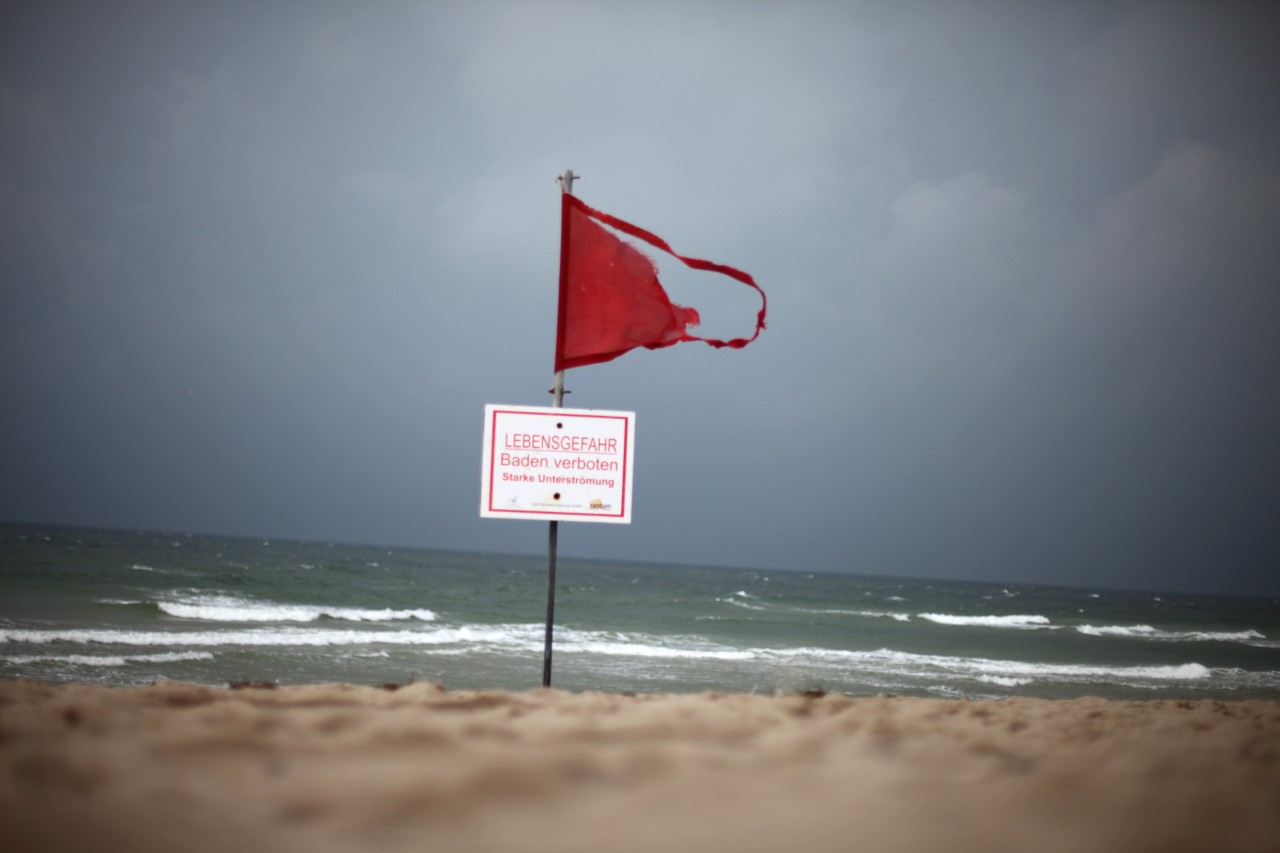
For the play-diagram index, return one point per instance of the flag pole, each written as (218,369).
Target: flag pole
(557,400)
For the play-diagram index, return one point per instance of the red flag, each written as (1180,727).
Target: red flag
(610,298)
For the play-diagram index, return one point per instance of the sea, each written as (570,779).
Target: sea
(119,607)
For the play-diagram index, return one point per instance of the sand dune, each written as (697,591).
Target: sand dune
(342,768)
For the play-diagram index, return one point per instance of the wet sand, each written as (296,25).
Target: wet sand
(341,768)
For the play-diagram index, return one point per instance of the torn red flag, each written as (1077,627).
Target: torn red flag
(610,298)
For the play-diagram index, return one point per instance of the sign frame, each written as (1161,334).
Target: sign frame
(542,463)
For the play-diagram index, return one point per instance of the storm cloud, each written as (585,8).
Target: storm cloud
(264,264)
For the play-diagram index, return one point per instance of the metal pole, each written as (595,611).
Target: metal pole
(552,535)
(566,185)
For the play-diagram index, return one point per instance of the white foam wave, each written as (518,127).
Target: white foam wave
(741,599)
(883,666)
(1020,622)
(889,661)
(514,637)
(749,602)
(655,651)
(1003,681)
(1147,632)
(108,660)
(249,637)
(869,614)
(876,614)
(645,646)
(840,611)
(224,608)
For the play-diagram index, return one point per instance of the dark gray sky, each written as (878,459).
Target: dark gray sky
(264,263)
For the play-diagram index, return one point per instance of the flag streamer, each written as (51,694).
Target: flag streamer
(611,300)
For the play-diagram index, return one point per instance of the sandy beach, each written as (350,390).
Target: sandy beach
(343,768)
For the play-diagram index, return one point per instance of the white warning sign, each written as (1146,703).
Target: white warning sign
(560,464)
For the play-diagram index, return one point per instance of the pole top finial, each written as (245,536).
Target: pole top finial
(566,181)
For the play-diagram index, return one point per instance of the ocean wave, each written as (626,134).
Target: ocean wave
(923,666)
(866,614)
(1003,681)
(644,650)
(501,638)
(869,614)
(225,608)
(742,599)
(747,601)
(247,637)
(1147,632)
(840,611)
(529,637)
(1020,622)
(107,660)
(883,666)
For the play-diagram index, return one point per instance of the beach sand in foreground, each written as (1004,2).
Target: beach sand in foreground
(342,768)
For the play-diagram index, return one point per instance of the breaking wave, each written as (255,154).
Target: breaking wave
(108,660)
(882,666)
(225,608)
(1021,622)
(1147,632)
